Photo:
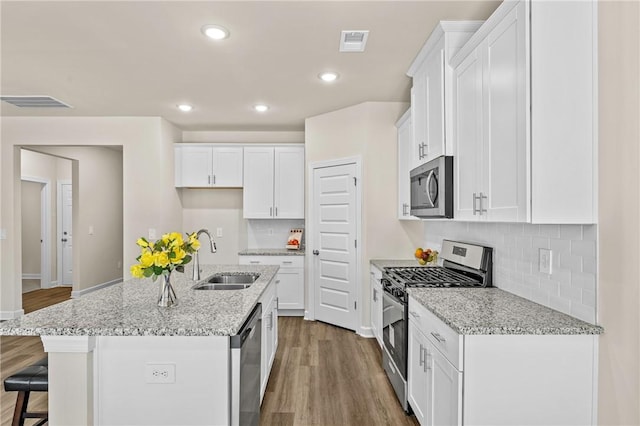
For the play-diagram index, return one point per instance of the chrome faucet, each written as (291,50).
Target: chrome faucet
(196,257)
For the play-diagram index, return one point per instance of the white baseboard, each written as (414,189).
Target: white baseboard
(9,315)
(54,284)
(76,294)
(366,332)
(31,276)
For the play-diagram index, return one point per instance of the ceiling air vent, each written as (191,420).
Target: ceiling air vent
(353,41)
(34,102)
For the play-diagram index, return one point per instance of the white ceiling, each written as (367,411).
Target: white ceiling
(121,58)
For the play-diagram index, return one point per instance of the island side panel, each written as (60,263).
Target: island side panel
(128,366)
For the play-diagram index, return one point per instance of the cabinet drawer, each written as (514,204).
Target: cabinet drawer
(443,337)
(281,261)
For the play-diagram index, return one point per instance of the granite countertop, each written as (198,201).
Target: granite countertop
(129,309)
(494,311)
(271,252)
(391,263)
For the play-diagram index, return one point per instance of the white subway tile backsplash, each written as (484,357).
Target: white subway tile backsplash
(571,288)
(583,248)
(571,232)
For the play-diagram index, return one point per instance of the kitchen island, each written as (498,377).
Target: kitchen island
(117,358)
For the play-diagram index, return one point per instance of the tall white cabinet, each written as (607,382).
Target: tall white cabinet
(524,116)
(405,162)
(431,90)
(273,182)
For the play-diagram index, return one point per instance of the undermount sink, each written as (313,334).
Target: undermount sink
(228,282)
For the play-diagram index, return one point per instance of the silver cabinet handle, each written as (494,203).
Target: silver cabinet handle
(474,204)
(372,273)
(214,179)
(438,337)
(270,211)
(482,210)
(316,252)
(375,295)
(255,262)
(427,355)
(421,355)
(276,212)
(209,179)
(287,262)
(404,209)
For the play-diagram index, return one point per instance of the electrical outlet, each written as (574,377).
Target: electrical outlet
(544,261)
(160,373)
(218,232)
(152,233)
(3,234)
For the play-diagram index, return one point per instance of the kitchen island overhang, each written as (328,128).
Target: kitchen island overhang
(103,349)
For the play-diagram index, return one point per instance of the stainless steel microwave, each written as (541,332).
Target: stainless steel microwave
(432,188)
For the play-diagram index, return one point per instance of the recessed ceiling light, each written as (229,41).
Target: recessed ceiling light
(261,107)
(215,32)
(185,107)
(328,76)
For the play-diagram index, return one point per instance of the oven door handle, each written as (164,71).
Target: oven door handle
(394,301)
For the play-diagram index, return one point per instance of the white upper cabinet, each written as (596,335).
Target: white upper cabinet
(431,91)
(273,182)
(208,166)
(405,163)
(490,126)
(531,155)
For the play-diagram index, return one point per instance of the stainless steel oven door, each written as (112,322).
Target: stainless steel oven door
(394,330)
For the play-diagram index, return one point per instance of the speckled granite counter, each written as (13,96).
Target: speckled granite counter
(390,263)
(129,309)
(494,311)
(271,252)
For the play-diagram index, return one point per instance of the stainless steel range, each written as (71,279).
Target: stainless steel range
(464,265)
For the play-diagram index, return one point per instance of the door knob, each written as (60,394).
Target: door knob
(316,252)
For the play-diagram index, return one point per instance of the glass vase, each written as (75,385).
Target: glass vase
(166,296)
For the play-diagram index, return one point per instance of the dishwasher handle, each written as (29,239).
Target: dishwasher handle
(247,328)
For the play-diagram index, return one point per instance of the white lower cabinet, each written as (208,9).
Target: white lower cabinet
(498,379)
(376,304)
(289,281)
(269,335)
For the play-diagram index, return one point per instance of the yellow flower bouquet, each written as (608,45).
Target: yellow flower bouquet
(161,257)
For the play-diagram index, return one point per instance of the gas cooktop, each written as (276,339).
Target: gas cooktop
(432,276)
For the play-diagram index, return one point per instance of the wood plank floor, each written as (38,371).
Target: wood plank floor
(325,375)
(18,352)
(322,375)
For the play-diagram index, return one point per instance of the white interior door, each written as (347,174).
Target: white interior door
(67,237)
(334,228)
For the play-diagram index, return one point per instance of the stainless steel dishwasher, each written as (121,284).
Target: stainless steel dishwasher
(245,371)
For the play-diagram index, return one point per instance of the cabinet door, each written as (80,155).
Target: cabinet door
(257,196)
(446,389)
(419,387)
(467,135)
(194,166)
(289,183)
(504,157)
(405,162)
(227,167)
(434,102)
(419,117)
(290,288)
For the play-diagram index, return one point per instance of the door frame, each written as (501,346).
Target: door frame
(45,229)
(59,226)
(309,313)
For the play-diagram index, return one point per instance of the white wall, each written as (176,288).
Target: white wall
(31,227)
(150,199)
(51,169)
(368,130)
(619,213)
(97,205)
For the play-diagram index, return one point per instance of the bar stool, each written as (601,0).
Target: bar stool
(34,378)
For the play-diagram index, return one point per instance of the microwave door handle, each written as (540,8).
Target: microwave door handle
(426,187)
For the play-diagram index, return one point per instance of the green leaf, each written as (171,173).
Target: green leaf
(186,259)
(157,270)
(147,272)
(180,268)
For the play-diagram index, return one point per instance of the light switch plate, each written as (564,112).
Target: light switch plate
(218,232)
(152,233)
(3,234)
